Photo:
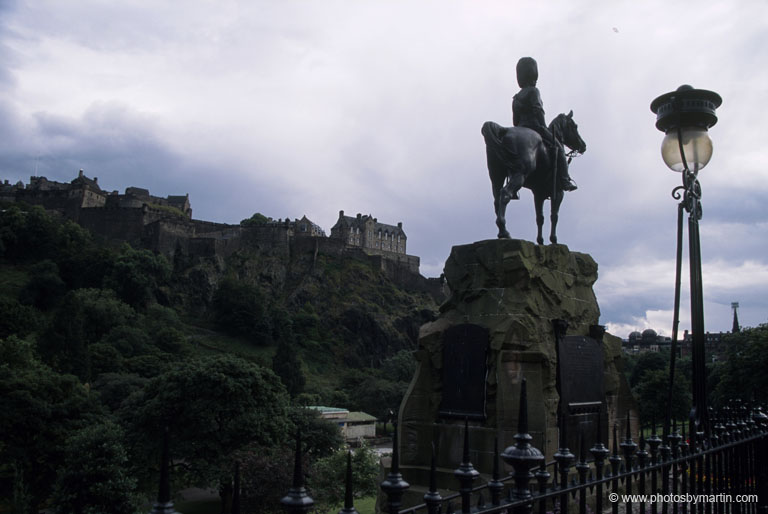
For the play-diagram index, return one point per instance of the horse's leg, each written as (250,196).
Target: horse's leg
(499,207)
(501,222)
(555,204)
(538,202)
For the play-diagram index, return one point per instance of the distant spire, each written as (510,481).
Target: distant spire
(735,307)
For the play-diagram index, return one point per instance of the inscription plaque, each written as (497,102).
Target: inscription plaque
(581,388)
(465,369)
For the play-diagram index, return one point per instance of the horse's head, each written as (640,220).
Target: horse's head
(569,132)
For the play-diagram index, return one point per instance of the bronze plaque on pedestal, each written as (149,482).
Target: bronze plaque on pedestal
(465,369)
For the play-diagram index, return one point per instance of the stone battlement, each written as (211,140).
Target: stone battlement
(165,225)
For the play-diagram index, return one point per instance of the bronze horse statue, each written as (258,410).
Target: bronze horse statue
(518,156)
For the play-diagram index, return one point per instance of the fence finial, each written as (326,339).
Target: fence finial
(522,456)
(394,486)
(297,500)
(349,508)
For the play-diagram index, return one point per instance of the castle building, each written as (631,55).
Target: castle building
(165,225)
(367,233)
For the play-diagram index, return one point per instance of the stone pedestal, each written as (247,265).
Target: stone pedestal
(505,295)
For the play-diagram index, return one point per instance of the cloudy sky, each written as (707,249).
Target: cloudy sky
(308,107)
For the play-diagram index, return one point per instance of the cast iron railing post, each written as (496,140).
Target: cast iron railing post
(628,446)
(466,473)
(164,504)
(349,507)
(615,462)
(582,468)
(642,460)
(674,439)
(599,453)
(297,501)
(762,462)
(542,477)
(523,456)
(653,443)
(394,486)
(236,492)
(432,497)
(684,468)
(495,486)
(564,458)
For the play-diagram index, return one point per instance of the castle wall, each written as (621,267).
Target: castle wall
(115,224)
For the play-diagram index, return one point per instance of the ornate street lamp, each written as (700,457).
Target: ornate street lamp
(684,116)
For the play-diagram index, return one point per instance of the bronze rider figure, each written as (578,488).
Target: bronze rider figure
(528,111)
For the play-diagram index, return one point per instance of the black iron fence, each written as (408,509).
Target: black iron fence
(723,470)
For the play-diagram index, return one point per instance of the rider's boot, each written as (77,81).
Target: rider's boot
(564,179)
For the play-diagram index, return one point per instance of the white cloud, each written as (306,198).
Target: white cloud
(295,108)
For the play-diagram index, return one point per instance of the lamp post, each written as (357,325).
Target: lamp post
(685,115)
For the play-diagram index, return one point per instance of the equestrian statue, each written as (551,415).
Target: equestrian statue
(530,154)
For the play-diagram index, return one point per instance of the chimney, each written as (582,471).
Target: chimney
(80,173)
(359,215)
(341,214)
(96,180)
(400,225)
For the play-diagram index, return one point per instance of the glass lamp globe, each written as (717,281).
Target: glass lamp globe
(697,147)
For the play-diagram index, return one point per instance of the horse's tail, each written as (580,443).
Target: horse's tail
(495,144)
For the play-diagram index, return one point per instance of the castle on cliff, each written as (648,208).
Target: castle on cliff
(165,225)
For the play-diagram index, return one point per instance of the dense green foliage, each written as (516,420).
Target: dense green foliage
(95,477)
(102,347)
(648,375)
(743,374)
(326,481)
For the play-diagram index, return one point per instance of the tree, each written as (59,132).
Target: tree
(114,388)
(45,287)
(652,396)
(41,409)
(137,276)
(16,319)
(95,477)
(286,363)
(742,375)
(84,317)
(240,309)
(257,219)
(320,437)
(212,408)
(326,480)
(400,367)
(648,361)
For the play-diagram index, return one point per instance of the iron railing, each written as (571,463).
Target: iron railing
(725,471)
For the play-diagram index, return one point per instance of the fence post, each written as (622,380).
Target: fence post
(495,486)
(466,473)
(349,508)
(564,458)
(642,461)
(628,446)
(653,443)
(394,486)
(432,498)
(582,468)
(599,453)
(761,460)
(523,456)
(297,501)
(615,461)
(236,492)
(164,504)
